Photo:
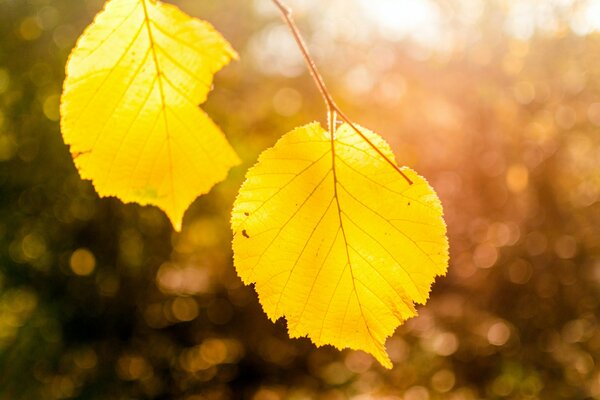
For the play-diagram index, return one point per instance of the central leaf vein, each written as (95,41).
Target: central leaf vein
(147,22)
(346,244)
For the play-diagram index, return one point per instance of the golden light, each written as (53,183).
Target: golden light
(399,18)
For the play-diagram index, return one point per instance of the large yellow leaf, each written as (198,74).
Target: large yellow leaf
(129,106)
(337,241)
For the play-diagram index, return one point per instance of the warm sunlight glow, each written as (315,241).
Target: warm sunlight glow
(322,266)
(424,20)
(400,18)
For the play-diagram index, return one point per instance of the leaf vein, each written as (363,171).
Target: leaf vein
(288,221)
(302,252)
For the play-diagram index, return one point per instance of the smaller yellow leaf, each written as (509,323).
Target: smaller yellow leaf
(336,240)
(129,109)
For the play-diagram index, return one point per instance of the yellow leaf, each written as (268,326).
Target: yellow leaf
(129,106)
(338,242)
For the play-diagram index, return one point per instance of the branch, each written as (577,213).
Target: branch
(312,67)
(332,107)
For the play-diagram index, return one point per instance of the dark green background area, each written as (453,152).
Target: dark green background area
(507,130)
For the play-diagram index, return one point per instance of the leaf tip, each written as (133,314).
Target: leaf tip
(385,361)
(176,225)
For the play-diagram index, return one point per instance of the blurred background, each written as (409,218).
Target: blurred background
(495,102)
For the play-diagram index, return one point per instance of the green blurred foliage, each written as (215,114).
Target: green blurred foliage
(100,300)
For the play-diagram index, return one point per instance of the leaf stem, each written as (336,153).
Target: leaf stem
(332,107)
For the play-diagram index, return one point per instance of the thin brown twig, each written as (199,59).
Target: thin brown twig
(332,107)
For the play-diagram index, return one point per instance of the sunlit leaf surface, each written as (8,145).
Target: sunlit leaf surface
(129,107)
(336,240)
